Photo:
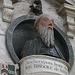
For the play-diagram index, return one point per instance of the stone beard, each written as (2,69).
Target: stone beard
(46,35)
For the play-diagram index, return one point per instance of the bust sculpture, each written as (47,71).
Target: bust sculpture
(43,43)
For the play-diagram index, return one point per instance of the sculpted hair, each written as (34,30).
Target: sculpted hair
(37,20)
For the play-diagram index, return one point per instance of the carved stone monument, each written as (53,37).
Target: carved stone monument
(36,43)
(23,49)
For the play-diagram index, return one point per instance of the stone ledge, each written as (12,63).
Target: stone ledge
(7,4)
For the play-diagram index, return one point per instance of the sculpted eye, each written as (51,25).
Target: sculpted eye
(45,19)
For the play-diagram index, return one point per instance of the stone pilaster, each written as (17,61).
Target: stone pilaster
(68,11)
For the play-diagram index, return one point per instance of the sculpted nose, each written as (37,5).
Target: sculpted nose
(50,24)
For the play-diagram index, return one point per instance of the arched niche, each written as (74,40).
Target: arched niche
(17,34)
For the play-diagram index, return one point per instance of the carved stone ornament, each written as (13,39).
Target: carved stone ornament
(7,14)
(7,10)
(22,29)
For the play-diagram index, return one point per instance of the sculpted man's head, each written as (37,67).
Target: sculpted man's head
(44,26)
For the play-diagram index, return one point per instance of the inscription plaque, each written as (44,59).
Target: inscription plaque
(41,63)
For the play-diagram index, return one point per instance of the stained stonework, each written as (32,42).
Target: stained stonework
(4,56)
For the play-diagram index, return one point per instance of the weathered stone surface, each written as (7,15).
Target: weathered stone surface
(20,9)
(72,72)
(70,34)
(71,1)
(7,14)
(68,7)
(71,28)
(70,19)
(14,1)
(66,1)
(0,3)
(7,4)
(4,55)
(7,10)
(29,1)
(3,25)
